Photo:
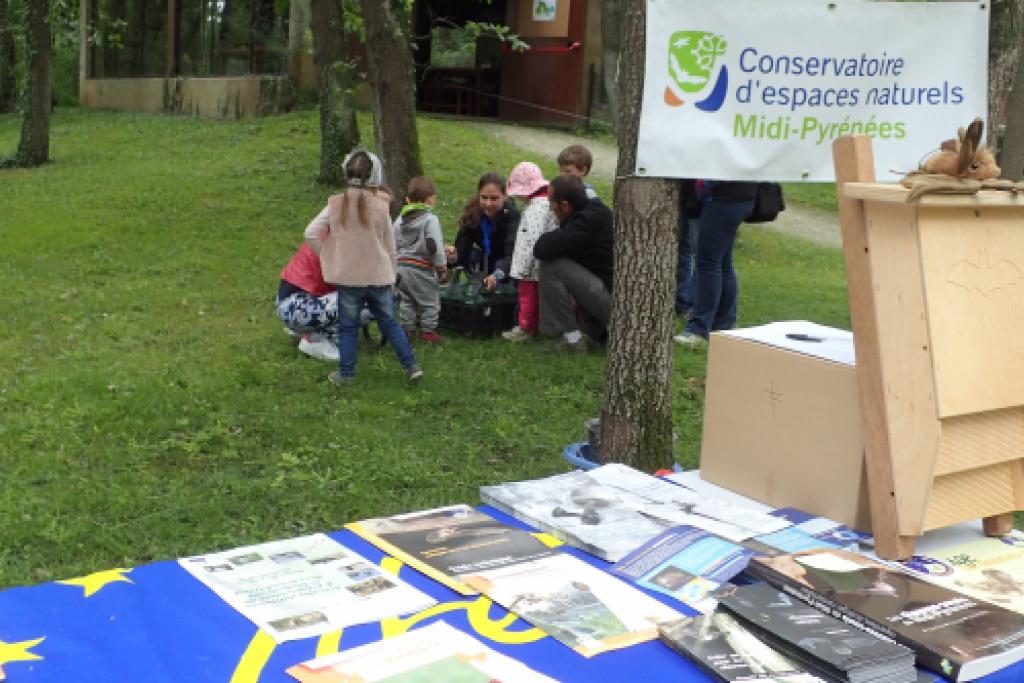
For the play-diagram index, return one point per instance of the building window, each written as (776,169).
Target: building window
(233,37)
(209,38)
(128,38)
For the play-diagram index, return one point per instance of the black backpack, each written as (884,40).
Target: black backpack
(767,204)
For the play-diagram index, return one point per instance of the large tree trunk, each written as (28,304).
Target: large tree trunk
(611,41)
(389,58)
(338,130)
(7,58)
(636,419)
(1006,26)
(34,146)
(1012,157)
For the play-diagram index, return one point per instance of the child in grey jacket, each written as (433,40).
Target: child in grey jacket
(421,260)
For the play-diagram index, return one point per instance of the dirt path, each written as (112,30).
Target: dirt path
(814,225)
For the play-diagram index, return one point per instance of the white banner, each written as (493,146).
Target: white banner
(758,90)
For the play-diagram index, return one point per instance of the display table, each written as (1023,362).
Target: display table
(155,623)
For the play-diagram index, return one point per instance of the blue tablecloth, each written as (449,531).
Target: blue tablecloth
(156,623)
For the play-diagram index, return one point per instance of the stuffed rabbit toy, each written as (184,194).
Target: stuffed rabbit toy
(961,166)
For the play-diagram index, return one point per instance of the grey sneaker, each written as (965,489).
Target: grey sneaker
(690,339)
(336,378)
(413,372)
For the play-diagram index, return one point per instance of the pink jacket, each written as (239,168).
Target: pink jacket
(354,254)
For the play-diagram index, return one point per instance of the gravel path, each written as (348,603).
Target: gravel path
(814,225)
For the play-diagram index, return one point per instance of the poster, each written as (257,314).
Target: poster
(545,10)
(748,90)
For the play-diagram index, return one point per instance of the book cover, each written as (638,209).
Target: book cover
(577,604)
(446,543)
(724,647)
(989,569)
(958,637)
(685,563)
(829,532)
(823,643)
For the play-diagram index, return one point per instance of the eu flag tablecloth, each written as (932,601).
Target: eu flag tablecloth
(157,624)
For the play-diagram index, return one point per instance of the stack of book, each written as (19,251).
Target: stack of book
(822,644)
(725,648)
(957,636)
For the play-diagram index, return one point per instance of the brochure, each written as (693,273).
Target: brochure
(989,569)
(686,563)
(304,586)
(823,529)
(575,603)
(612,510)
(445,543)
(431,654)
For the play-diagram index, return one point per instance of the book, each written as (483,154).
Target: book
(437,652)
(821,643)
(685,563)
(611,510)
(445,543)
(959,637)
(989,569)
(724,647)
(577,604)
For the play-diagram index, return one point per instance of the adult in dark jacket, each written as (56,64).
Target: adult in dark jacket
(487,230)
(576,260)
(725,206)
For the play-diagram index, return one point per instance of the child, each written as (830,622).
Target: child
(527,182)
(308,306)
(353,238)
(577,160)
(421,260)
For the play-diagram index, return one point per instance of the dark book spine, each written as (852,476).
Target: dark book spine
(699,661)
(948,669)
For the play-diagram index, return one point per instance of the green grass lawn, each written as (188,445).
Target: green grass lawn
(150,405)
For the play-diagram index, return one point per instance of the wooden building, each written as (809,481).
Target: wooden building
(240,58)
(558,80)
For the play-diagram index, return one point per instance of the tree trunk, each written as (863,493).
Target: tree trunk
(298,23)
(7,58)
(1012,156)
(34,146)
(636,418)
(338,130)
(389,61)
(1006,26)
(611,40)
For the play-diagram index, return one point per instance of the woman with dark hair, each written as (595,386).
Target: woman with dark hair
(487,231)
(356,245)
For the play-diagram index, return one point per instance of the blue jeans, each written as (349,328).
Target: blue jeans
(684,266)
(382,305)
(717,290)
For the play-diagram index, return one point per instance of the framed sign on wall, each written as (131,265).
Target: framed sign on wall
(544,18)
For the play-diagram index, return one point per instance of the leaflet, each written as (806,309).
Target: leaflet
(303,587)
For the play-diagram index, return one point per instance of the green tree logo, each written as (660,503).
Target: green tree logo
(692,56)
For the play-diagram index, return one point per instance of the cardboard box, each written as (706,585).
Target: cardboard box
(782,420)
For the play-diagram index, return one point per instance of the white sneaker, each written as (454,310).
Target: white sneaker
(319,347)
(516,334)
(689,339)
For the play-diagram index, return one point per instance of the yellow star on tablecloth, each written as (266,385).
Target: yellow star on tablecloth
(97,580)
(18,652)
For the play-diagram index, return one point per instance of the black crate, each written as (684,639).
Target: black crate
(484,318)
